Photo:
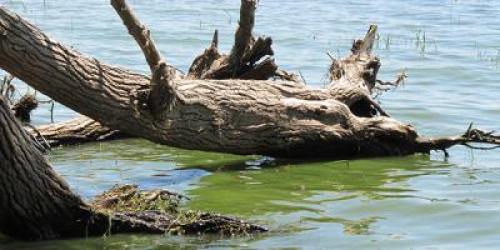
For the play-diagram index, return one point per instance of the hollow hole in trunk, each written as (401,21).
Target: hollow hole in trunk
(363,108)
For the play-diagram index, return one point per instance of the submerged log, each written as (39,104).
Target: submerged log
(74,131)
(36,203)
(267,117)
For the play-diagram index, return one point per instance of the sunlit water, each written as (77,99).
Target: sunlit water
(406,202)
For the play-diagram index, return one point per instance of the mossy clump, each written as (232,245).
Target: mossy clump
(160,210)
(128,198)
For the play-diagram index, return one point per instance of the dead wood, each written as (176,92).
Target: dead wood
(76,131)
(162,93)
(22,109)
(242,61)
(267,117)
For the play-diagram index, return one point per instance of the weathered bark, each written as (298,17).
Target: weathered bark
(74,131)
(276,118)
(36,203)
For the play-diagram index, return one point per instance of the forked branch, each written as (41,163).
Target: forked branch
(162,91)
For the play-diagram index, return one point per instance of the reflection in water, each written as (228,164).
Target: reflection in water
(278,185)
(351,227)
(116,242)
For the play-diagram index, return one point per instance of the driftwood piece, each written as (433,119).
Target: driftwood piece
(275,118)
(74,131)
(246,51)
(35,202)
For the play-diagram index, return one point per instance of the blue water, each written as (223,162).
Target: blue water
(406,202)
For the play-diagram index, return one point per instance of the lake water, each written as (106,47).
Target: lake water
(402,202)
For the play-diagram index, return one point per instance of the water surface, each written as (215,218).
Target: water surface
(401,202)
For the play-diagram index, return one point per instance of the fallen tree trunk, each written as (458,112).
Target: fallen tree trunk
(275,118)
(36,203)
(75,131)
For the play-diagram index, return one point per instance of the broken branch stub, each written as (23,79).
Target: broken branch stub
(22,108)
(243,60)
(243,37)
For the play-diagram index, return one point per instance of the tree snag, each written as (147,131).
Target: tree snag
(75,131)
(267,117)
(250,57)
(37,204)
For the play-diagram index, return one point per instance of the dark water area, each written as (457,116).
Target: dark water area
(449,49)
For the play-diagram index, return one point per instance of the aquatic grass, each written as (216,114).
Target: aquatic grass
(420,42)
(493,59)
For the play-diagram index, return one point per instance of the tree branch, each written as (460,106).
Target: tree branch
(472,135)
(162,91)
(139,32)
(243,37)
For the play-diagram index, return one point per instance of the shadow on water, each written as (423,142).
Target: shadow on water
(287,186)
